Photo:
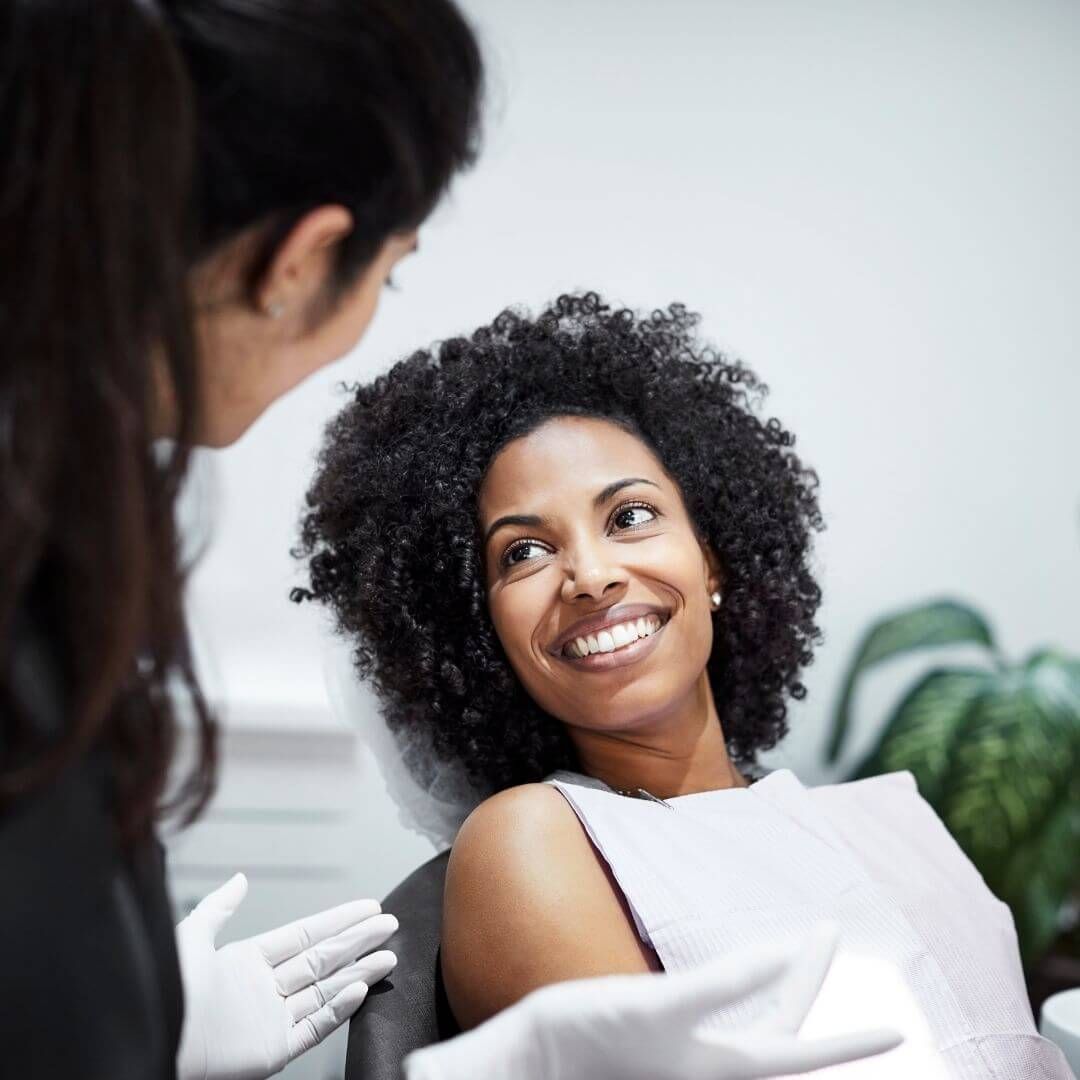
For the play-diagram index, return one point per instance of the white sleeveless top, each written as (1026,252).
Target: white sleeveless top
(924,947)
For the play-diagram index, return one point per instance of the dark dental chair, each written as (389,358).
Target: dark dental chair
(409,1010)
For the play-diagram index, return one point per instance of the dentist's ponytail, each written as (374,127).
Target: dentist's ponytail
(96,146)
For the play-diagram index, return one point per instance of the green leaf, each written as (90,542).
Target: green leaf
(942,622)
(921,732)
(1042,875)
(1002,781)
(1056,676)
(1011,794)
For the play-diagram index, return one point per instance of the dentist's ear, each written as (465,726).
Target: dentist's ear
(301,267)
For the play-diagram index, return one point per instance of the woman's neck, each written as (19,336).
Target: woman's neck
(680,753)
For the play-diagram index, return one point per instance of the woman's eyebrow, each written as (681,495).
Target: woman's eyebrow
(618,485)
(534,521)
(530,520)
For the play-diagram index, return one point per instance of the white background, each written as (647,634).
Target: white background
(872,203)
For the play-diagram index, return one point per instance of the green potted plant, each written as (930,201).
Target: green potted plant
(995,749)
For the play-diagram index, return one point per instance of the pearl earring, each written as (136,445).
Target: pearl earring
(275,310)
(715,598)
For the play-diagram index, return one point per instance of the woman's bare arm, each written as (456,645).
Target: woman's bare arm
(529,902)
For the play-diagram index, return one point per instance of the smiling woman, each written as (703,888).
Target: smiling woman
(531,540)
(567,549)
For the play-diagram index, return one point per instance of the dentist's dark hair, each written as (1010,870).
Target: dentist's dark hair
(136,138)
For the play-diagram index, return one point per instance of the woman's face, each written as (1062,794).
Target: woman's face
(598,586)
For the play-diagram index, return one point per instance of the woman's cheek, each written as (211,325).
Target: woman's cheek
(673,566)
(515,613)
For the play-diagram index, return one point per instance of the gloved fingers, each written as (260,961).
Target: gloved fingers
(293,938)
(689,997)
(368,970)
(791,996)
(775,1055)
(313,1029)
(375,967)
(216,908)
(327,956)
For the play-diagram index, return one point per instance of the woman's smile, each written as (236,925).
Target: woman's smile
(614,637)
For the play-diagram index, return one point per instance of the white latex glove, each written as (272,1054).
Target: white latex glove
(253,1006)
(648,1027)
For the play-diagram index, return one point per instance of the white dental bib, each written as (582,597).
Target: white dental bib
(925,946)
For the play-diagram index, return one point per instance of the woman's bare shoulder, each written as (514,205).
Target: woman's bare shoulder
(528,902)
(514,857)
(508,825)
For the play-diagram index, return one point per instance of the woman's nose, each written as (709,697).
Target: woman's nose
(591,576)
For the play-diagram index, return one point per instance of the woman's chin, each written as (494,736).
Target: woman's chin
(642,706)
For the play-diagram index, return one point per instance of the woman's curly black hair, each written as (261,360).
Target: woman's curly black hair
(393,541)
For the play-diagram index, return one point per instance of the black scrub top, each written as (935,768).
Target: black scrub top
(89,980)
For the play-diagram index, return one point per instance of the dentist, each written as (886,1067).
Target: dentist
(200,202)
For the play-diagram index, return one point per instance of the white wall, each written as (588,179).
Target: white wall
(872,202)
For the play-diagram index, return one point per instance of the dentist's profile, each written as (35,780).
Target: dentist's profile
(200,204)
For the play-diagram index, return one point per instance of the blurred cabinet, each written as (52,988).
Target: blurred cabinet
(285,813)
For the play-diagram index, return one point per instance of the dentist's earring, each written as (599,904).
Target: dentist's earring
(714,599)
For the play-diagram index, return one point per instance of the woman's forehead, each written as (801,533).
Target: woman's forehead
(562,460)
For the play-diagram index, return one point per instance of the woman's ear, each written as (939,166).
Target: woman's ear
(300,269)
(714,573)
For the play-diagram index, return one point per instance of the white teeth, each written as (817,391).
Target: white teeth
(614,637)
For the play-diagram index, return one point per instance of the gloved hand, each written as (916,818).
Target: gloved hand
(253,1006)
(646,1027)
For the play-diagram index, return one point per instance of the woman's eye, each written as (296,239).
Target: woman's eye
(523,552)
(629,517)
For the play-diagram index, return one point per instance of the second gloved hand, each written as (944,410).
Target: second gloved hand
(253,1006)
(649,1027)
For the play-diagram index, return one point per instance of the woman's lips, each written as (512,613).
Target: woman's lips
(603,624)
(633,653)
(604,621)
